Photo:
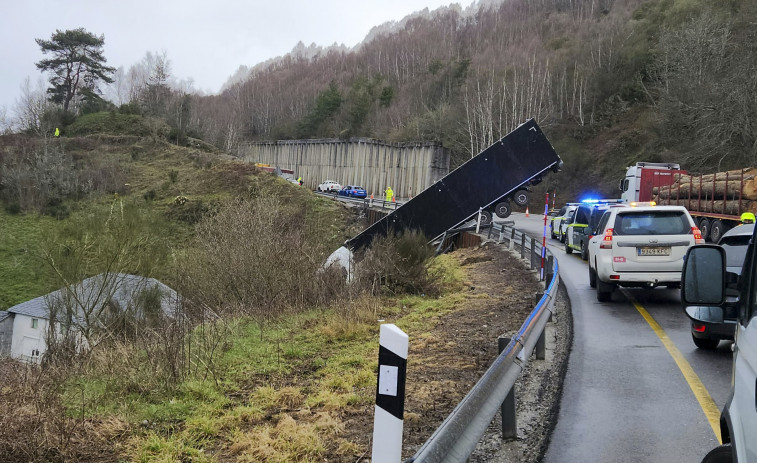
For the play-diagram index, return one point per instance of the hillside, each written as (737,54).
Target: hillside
(611,82)
(50,187)
(272,358)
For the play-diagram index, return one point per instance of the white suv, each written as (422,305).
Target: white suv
(640,246)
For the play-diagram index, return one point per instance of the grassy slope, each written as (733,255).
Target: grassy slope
(155,173)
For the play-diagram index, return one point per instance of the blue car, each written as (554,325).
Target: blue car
(353,191)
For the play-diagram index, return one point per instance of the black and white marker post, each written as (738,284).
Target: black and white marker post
(390,395)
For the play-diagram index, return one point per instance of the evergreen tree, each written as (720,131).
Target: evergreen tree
(77,63)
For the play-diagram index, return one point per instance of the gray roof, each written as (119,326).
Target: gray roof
(118,287)
(3,315)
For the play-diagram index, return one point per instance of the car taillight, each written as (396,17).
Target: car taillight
(697,235)
(699,328)
(606,242)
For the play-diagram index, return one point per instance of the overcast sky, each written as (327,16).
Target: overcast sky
(204,40)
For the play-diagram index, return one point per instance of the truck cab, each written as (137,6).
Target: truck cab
(705,280)
(642,178)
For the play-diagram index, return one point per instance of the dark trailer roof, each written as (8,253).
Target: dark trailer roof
(517,158)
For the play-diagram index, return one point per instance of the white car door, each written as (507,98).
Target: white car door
(743,407)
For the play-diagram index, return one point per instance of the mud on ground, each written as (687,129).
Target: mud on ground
(443,368)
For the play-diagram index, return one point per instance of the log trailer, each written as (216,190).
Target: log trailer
(715,201)
(486,183)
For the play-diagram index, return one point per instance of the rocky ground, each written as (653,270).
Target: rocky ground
(442,368)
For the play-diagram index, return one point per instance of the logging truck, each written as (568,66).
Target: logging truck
(715,201)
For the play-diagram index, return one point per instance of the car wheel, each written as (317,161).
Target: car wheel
(704,228)
(584,251)
(503,210)
(720,454)
(592,278)
(604,291)
(706,344)
(562,238)
(552,232)
(716,231)
(521,197)
(568,249)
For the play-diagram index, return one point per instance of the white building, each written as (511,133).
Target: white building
(31,319)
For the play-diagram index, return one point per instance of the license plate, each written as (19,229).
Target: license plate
(655,251)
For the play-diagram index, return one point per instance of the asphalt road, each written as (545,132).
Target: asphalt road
(629,395)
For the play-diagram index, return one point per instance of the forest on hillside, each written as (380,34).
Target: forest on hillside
(677,73)
(611,82)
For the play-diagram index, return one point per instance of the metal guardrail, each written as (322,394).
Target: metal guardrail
(456,438)
(366,202)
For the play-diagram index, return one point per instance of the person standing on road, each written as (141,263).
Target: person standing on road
(389,194)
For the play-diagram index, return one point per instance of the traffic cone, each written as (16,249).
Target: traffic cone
(392,198)
(526,212)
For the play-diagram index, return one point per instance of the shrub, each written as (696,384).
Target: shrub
(398,263)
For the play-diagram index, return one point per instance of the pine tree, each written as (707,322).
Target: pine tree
(77,63)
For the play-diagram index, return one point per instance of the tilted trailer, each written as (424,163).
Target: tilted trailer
(487,183)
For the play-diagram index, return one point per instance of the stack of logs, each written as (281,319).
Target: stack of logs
(730,193)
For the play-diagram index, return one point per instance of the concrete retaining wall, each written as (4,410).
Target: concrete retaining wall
(408,168)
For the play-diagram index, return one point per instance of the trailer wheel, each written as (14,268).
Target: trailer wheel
(486,218)
(704,228)
(716,230)
(503,210)
(521,197)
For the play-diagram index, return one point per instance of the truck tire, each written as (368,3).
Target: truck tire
(520,197)
(717,230)
(486,218)
(503,210)
(704,228)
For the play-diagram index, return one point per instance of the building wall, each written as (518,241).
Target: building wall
(6,336)
(28,343)
(408,168)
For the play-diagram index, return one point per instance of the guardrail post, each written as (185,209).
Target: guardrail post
(533,248)
(522,245)
(512,239)
(507,409)
(489,235)
(549,271)
(390,394)
(501,234)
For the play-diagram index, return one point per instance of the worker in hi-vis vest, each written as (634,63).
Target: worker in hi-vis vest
(389,194)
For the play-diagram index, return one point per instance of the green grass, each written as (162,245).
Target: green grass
(23,273)
(273,386)
(114,123)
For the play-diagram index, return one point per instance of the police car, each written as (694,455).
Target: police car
(557,224)
(584,224)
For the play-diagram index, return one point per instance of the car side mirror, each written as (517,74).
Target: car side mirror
(703,276)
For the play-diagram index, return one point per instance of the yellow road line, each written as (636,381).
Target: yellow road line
(708,405)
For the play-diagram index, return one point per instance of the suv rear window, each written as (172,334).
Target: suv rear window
(652,223)
(735,249)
